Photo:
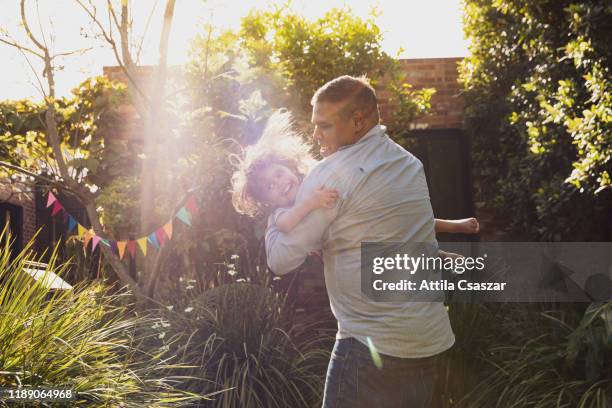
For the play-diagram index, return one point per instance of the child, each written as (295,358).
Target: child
(268,177)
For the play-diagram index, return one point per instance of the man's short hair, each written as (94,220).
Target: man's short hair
(357,91)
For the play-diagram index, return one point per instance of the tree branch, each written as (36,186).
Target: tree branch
(22,48)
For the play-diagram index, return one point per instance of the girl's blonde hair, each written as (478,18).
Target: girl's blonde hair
(278,144)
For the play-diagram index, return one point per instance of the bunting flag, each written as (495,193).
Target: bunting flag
(190,204)
(87,237)
(71,223)
(142,244)
(168,229)
(57,207)
(50,199)
(131,247)
(158,238)
(121,248)
(153,240)
(94,242)
(161,236)
(184,216)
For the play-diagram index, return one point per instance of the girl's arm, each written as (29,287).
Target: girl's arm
(463,226)
(320,198)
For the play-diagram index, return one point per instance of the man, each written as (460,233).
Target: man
(383,197)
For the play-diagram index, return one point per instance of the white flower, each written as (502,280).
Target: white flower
(189,309)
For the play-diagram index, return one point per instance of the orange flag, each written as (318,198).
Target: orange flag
(121,248)
(168,229)
(88,235)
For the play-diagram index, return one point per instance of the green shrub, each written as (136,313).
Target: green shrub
(518,356)
(538,112)
(84,339)
(240,338)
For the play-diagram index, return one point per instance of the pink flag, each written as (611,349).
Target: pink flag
(57,207)
(131,247)
(94,241)
(191,205)
(51,199)
(161,236)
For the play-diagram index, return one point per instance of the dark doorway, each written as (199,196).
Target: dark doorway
(12,215)
(445,157)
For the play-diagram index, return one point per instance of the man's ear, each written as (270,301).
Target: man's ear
(358,120)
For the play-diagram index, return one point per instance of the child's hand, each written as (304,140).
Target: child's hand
(324,197)
(467,226)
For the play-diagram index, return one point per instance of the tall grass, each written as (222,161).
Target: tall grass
(84,339)
(519,356)
(242,338)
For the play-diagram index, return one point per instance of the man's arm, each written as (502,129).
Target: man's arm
(286,251)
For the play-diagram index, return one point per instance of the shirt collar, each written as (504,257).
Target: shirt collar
(376,130)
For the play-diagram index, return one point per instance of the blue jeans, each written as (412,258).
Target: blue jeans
(354,381)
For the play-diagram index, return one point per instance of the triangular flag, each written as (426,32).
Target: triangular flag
(50,199)
(191,205)
(66,215)
(142,243)
(161,236)
(168,229)
(87,237)
(94,242)
(71,223)
(57,207)
(184,216)
(105,242)
(80,230)
(131,247)
(153,240)
(121,248)
(113,246)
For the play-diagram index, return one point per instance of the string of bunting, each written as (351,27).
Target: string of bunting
(156,239)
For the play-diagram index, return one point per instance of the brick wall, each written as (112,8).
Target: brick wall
(28,205)
(439,73)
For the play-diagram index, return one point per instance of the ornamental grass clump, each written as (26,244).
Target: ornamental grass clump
(249,346)
(84,339)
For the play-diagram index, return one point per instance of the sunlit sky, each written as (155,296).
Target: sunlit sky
(423,28)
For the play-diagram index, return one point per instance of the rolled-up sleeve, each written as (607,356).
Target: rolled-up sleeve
(287,251)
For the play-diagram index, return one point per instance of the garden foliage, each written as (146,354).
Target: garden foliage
(539,110)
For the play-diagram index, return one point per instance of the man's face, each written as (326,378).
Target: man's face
(332,128)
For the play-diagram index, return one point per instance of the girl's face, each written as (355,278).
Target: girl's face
(278,185)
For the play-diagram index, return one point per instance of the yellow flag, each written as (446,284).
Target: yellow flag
(142,243)
(168,229)
(80,230)
(121,247)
